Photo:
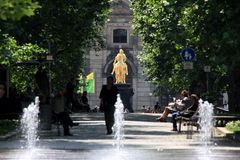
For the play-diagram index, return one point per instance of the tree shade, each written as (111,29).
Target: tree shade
(67,29)
(211,28)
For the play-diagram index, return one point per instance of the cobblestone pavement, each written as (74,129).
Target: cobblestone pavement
(144,139)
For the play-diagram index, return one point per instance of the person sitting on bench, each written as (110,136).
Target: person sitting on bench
(84,102)
(188,113)
(179,105)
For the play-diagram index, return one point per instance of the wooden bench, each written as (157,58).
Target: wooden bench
(189,122)
(218,120)
(222,117)
(192,121)
(220,110)
(222,120)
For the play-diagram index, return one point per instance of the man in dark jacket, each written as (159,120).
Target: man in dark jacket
(108,96)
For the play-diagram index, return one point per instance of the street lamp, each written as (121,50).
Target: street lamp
(49,59)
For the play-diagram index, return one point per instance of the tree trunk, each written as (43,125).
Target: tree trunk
(235,91)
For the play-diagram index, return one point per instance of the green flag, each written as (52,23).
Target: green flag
(90,83)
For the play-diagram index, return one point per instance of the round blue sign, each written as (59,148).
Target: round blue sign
(188,54)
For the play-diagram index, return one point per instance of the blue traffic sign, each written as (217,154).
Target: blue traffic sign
(188,55)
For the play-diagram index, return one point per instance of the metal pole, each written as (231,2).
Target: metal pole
(207,81)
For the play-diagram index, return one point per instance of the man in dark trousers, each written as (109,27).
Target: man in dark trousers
(69,94)
(108,96)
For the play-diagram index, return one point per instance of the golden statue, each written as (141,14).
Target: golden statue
(120,67)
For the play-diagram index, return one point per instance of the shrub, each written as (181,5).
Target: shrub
(7,126)
(233,126)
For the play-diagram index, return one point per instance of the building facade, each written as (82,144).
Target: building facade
(119,34)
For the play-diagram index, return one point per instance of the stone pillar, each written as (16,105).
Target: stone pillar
(45,116)
(126,93)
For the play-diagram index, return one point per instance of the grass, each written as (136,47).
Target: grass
(7,126)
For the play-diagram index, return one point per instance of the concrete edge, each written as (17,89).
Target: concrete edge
(228,134)
(8,135)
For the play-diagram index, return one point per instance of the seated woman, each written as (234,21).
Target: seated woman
(63,116)
(179,105)
(84,102)
(188,113)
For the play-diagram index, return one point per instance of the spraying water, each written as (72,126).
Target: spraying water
(30,123)
(118,122)
(206,123)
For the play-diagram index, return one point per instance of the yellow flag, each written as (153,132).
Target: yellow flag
(90,76)
(90,83)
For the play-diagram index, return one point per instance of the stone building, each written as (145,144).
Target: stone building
(119,34)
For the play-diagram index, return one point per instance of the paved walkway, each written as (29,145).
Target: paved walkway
(144,139)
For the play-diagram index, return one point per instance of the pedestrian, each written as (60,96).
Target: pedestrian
(84,102)
(70,94)
(187,113)
(156,107)
(60,115)
(108,96)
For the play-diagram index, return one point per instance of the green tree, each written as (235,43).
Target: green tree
(16,9)
(21,76)
(12,52)
(211,28)
(68,29)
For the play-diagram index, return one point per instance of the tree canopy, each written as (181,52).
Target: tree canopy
(67,29)
(11,51)
(16,9)
(211,28)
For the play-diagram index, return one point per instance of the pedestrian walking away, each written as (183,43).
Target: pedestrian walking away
(108,96)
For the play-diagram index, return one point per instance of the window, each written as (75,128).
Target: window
(119,36)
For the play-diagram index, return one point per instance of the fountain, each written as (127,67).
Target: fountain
(30,123)
(119,122)
(206,124)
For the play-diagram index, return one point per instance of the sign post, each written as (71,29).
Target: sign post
(188,56)
(188,65)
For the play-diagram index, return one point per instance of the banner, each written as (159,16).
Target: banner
(90,83)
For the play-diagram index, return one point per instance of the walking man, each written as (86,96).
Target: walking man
(108,96)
